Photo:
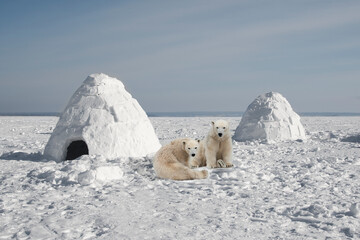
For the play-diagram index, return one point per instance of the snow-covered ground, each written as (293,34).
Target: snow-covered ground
(287,190)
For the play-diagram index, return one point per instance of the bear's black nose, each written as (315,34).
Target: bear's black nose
(193,155)
(220,134)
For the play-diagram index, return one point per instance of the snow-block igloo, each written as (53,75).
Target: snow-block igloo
(102,118)
(270,117)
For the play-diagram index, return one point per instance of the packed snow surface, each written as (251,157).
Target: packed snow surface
(270,117)
(286,190)
(107,118)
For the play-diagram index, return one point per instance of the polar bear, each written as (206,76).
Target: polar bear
(216,149)
(172,160)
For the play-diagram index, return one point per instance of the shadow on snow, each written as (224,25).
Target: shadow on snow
(353,139)
(23,156)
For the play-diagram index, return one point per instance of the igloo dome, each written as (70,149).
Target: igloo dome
(270,117)
(102,118)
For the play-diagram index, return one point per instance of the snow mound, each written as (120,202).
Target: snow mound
(102,118)
(89,170)
(270,117)
(95,171)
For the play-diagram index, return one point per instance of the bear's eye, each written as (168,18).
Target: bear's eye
(217,127)
(223,127)
(189,148)
(195,147)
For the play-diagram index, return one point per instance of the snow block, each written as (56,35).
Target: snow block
(270,117)
(102,118)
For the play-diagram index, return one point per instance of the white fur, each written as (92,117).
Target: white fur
(216,147)
(172,160)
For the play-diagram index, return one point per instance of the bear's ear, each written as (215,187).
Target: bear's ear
(212,122)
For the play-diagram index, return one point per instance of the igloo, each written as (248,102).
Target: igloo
(102,118)
(270,117)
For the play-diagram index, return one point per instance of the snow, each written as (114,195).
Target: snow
(270,117)
(110,121)
(286,190)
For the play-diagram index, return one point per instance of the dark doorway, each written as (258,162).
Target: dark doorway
(76,149)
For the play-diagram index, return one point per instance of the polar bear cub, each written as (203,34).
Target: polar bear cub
(172,160)
(216,149)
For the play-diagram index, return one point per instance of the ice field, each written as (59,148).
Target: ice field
(288,190)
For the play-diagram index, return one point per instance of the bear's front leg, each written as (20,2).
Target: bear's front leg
(210,158)
(194,163)
(227,153)
(228,161)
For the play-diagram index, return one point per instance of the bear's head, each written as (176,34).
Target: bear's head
(221,128)
(191,146)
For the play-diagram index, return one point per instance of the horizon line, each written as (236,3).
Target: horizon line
(187,114)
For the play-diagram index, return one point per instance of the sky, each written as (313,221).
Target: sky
(181,56)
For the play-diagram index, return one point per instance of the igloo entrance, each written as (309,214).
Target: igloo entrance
(76,149)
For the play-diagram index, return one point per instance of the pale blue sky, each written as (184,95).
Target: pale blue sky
(182,55)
